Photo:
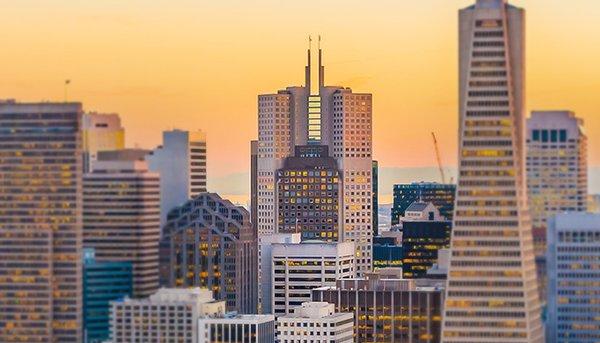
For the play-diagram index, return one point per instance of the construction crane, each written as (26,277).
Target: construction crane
(439,160)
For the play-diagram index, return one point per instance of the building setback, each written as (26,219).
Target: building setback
(40,222)
(237,328)
(316,322)
(100,132)
(121,201)
(181,163)
(388,308)
(441,195)
(573,278)
(103,282)
(208,242)
(315,114)
(299,268)
(492,292)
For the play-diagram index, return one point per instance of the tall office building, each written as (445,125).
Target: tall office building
(388,308)
(574,278)
(103,282)
(209,242)
(121,202)
(169,315)
(309,189)
(556,168)
(316,322)
(315,114)
(40,222)
(492,292)
(375,207)
(441,195)
(299,268)
(181,163)
(254,186)
(100,132)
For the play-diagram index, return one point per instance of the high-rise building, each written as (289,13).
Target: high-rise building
(265,268)
(316,322)
(387,250)
(388,308)
(121,222)
(169,315)
(103,282)
(299,268)
(556,173)
(574,278)
(181,162)
(441,195)
(375,192)
(424,233)
(40,222)
(254,185)
(209,242)
(100,132)
(309,194)
(237,328)
(315,114)
(492,292)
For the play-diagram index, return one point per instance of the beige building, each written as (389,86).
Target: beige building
(121,201)
(492,293)
(168,316)
(316,322)
(100,132)
(40,222)
(315,114)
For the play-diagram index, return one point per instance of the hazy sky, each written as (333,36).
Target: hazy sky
(199,64)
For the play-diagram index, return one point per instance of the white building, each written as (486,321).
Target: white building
(315,114)
(100,132)
(121,202)
(316,322)
(236,328)
(168,316)
(265,269)
(573,262)
(181,162)
(299,268)
(492,286)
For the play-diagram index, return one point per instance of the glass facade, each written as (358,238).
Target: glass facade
(441,195)
(421,241)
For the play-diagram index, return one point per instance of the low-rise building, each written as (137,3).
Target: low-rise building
(316,322)
(237,328)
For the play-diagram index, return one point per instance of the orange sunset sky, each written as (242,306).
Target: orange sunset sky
(199,64)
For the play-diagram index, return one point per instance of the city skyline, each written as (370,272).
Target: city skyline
(192,71)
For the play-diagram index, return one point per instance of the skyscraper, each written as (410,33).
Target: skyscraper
(209,242)
(181,163)
(492,286)
(556,170)
(573,278)
(375,177)
(315,114)
(121,202)
(101,132)
(40,222)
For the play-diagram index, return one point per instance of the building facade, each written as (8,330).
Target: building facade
(573,278)
(181,163)
(492,292)
(316,114)
(298,268)
(309,194)
(316,322)
(441,195)
(100,132)
(375,207)
(237,328)
(168,316)
(387,308)
(103,282)
(209,242)
(121,202)
(40,222)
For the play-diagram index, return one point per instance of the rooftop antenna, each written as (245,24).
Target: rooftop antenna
(66,86)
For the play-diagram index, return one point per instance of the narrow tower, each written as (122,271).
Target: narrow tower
(492,288)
